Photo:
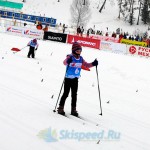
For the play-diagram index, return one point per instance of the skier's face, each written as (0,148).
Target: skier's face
(78,52)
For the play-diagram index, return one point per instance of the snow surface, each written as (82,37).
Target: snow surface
(27,105)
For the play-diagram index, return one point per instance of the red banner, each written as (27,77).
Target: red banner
(105,38)
(87,42)
(138,50)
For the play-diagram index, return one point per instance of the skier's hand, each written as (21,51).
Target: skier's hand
(95,62)
(69,60)
(35,48)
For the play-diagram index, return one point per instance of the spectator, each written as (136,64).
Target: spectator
(114,35)
(78,30)
(132,38)
(36,22)
(148,42)
(82,30)
(106,34)
(141,39)
(121,36)
(101,33)
(46,28)
(64,27)
(88,32)
(15,22)
(25,24)
(118,31)
(39,26)
(124,36)
(129,37)
(137,38)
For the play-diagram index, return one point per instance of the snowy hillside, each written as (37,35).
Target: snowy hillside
(29,89)
(61,11)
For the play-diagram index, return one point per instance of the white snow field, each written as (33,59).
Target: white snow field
(29,89)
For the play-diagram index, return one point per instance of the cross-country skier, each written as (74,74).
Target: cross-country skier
(74,63)
(33,46)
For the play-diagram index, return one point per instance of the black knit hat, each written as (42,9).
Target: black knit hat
(76,46)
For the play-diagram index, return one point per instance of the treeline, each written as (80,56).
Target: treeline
(127,9)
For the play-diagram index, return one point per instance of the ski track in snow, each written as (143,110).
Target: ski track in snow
(27,106)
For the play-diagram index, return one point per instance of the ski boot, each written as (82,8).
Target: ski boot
(60,110)
(74,112)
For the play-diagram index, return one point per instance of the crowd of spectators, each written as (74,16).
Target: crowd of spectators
(119,34)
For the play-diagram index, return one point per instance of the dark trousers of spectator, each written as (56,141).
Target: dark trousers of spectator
(31,52)
(73,85)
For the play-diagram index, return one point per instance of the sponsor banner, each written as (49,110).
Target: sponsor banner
(130,42)
(105,38)
(106,46)
(34,33)
(87,42)
(113,47)
(138,50)
(119,48)
(59,37)
(15,30)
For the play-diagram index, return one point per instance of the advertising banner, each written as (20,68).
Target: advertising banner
(130,42)
(34,33)
(28,17)
(58,37)
(119,48)
(105,38)
(138,50)
(113,47)
(15,30)
(87,42)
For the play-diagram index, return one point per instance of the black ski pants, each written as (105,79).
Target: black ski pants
(73,85)
(31,52)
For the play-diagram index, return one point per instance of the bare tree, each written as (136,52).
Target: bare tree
(131,15)
(80,13)
(139,11)
(102,6)
(120,4)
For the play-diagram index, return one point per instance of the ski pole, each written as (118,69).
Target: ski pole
(99,91)
(59,95)
(61,89)
(23,47)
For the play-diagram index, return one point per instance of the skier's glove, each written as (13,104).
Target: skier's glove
(69,60)
(95,62)
(35,48)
